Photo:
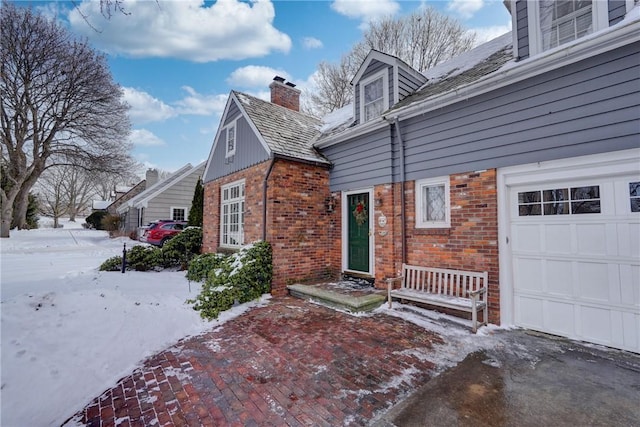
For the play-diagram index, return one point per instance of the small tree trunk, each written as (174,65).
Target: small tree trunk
(20,204)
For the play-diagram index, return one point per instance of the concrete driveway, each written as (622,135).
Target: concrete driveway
(529,379)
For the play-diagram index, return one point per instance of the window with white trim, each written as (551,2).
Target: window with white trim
(433,208)
(232,214)
(374,96)
(231,140)
(634,196)
(179,214)
(553,23)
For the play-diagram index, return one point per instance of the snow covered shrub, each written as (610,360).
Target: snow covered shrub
(112,264)
(144,258)
(201,265)
(241,277)
(178,251)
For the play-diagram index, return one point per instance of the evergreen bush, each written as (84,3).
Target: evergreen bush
(95,219)
(241,277)
(201,265)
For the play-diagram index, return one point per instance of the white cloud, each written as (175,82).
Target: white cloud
(465,8)
(145,108)
(366,10)
(186,29)
(198,104)
(255,76)
(145,138)
(311,43)
(484,34)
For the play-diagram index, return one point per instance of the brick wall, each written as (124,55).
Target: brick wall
(472,241)
(302,232)
(304,236)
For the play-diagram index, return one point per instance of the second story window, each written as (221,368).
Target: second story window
(374,96)
(560,22)
(231,140)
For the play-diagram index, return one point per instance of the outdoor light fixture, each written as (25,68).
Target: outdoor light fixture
(331,204)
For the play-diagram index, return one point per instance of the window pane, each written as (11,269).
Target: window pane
(584,193)
(560,208)
(634,189)
(529,210)
(585,207)
(435,203)
(529,197)
(555,195)
(373,91)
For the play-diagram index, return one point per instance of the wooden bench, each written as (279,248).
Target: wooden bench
(454,289)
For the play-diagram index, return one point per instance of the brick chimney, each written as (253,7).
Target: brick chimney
(285,94)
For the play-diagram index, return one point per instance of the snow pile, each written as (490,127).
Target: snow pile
(70,331)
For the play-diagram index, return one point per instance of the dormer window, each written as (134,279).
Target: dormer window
(231,140)
(560,22)
(374,96)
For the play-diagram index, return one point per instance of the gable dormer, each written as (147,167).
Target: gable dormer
(382,81)
(542,25)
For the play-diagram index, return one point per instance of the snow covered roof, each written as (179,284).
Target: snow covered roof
(100,205)
(286,132)
(463,70)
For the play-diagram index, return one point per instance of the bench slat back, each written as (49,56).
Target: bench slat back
(443,281)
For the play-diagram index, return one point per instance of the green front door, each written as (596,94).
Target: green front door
(358,233)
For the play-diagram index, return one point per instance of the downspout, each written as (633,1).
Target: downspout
(403,236)
(264,199)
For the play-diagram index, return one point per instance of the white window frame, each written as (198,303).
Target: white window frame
(432,182)
(227,129)
(239,235)
(599,21)
(384,74)
(172,209)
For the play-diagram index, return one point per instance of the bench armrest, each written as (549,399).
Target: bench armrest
(392,280)
(478,292)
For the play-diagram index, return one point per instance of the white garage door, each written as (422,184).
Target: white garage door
(575,257)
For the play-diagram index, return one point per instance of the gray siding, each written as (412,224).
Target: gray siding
(232,113)
(249,151)
(586,108)
(522,29)
(179,195)
(408,83)
(362,162)
(617,10)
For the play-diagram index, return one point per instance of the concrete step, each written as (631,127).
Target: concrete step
(343,295)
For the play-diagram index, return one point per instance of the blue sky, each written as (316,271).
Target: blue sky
(177,60)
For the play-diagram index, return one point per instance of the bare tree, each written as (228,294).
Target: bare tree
(53,194)
(422,39)
(59,102)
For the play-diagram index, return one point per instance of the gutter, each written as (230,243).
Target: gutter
(265,185)
(403,236)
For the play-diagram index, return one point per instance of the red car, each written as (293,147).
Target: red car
(159,232)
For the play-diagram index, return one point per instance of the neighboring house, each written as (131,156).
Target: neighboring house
(167,199)
(521,158)
(123,196)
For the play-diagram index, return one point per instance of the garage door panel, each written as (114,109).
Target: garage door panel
(596,324)
(528,239)
(630,330)
(559,278)
(529,274)
(593,282)
(529,312)
(629,285)
(591,239)
(559,317)
(558,239)
(632,241)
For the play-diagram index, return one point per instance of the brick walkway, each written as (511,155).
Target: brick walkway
(287,363)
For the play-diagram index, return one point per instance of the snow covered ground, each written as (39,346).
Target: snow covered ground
(70,331)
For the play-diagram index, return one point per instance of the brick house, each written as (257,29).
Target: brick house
(520,158)
(265,181)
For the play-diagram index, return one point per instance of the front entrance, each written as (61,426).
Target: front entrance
(358,232)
